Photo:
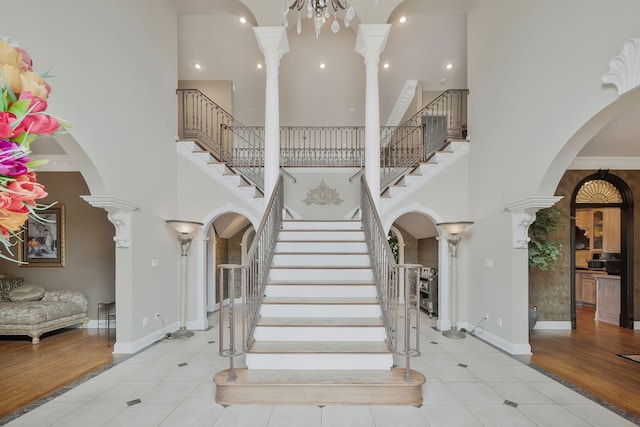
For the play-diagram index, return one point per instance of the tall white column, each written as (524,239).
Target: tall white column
(370,43)
(273,44)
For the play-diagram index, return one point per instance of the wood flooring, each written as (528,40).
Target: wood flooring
(587,357)
(30,372)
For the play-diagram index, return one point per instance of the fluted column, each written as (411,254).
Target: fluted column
(370,43)
(273,44)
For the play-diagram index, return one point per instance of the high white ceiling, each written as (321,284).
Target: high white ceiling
(210,33)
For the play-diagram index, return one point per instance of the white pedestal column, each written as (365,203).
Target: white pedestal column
(273,44)
(370,43)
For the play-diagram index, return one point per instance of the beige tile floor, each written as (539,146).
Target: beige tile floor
(469,383)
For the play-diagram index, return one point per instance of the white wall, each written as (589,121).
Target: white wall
(115,78)
(534,71)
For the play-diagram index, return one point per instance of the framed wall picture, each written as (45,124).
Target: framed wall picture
(42,243)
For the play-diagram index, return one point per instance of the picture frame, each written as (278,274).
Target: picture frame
(42,243)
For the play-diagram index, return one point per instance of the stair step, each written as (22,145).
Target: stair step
(326,387)
(320,235)
(321,301)
(340,322)
(357,289)
(321,259)
(327,273)
(329,246)
(320,329)
(318,347)
(320,307)
(321,225)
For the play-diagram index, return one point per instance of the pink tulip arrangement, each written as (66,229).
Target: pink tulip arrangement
(23,118)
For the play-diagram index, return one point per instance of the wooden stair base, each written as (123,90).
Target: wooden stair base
(319,387)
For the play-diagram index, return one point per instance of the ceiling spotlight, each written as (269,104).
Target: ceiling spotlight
(197,66)
(259,66)
(402,19)
(449,66)
(386,65)
(243,20)
(322,65)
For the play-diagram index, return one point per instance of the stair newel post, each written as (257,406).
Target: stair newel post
(231,351)
(232,326)
(411,311)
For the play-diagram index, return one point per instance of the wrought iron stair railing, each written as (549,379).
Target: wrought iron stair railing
(398,285)
(245,284)
(240,147)
(402,148)
(423,134)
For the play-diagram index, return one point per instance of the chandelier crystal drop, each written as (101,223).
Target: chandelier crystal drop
(319,11)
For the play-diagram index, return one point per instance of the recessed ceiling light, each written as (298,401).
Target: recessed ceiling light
(402,19)
(322,65)
(443,81)
(243,20)
(386,65)
(197,66)
(449,66)
(259,66)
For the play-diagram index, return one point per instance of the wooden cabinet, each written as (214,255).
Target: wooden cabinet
(586,286)
(611,230)
(602,229)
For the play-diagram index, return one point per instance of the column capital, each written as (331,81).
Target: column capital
(523,213)
(118,213)
(371,40)
(272,41)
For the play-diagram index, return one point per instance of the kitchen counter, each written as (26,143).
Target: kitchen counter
(608,299)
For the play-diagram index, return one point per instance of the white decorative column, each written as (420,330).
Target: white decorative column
(119,212)
(370,43)
(523,213)
(273,44)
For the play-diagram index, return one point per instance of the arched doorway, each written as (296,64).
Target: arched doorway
(602,238)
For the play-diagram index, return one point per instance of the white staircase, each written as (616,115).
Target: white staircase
(234,182)
(318,299)
(321,338)
(420,175)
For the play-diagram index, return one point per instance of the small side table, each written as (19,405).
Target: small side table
(109,315)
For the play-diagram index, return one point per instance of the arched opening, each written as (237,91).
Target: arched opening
(602,246)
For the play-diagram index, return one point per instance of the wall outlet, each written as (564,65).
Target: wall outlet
(486,317)
(145,321)
(157,316)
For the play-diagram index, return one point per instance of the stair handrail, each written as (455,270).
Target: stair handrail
(229,141)
(252,275)
(403,147)
(389,277)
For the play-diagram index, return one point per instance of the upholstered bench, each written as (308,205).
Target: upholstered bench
(31,310)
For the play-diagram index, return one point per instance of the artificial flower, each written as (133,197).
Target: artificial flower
(10,77)
(9,55)
(23,117)
(13,159)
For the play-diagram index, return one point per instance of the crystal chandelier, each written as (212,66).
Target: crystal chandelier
(319,11)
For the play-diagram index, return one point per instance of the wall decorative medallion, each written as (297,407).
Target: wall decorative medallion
(624,69)
(323,195)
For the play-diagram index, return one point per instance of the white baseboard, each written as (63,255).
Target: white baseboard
(553,324)
(636,324)
(146,341)
(524,349)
